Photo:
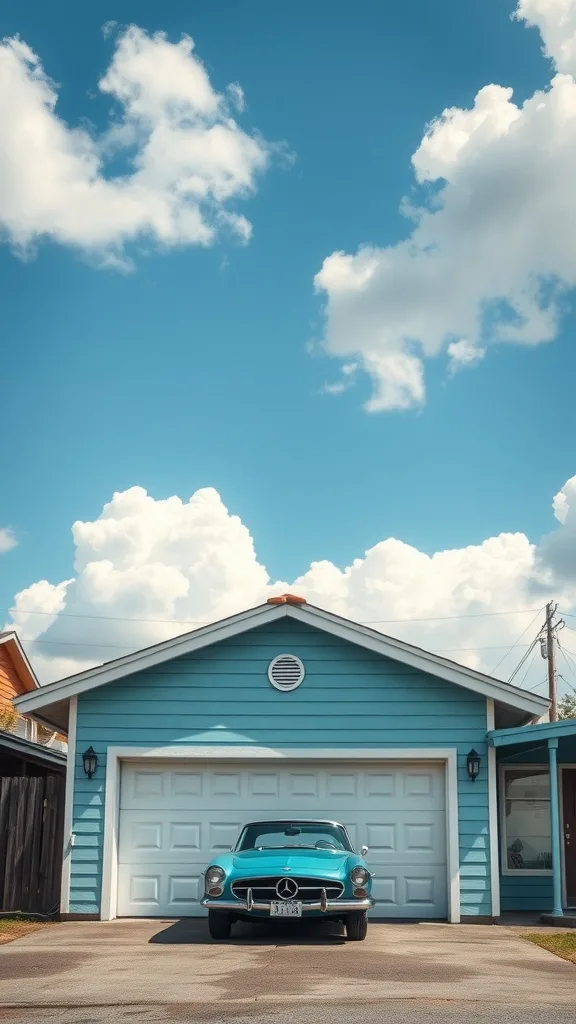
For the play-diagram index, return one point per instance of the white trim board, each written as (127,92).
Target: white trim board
(344,629)
(11,635)
(493,816)
(116,755)
(69,808)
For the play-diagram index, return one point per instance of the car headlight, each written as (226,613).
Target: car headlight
(359,876)
(214,877)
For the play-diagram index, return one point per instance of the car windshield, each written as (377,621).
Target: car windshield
(288,835)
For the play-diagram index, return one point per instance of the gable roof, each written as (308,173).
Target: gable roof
(26,679)
(56,695)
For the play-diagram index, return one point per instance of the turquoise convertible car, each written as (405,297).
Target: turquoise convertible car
(286,870)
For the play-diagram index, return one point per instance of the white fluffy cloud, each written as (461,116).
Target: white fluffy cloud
(147,569)
(185,157)
(491,252)
(463,353)
(556,22)
(7,539)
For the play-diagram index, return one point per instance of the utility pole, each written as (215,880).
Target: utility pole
(551,656)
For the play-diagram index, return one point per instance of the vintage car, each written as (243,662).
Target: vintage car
(286,870)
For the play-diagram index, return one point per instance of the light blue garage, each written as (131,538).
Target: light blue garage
(287,710)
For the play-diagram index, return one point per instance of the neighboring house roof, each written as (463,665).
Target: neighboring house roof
(50,704)
(36,752)
(22,678)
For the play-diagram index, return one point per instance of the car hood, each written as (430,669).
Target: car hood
(315,863)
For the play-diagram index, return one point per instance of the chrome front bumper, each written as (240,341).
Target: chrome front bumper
(325,905)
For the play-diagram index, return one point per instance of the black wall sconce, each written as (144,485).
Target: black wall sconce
(90,761)
(473,765)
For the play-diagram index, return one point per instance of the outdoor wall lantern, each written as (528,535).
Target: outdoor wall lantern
(473,765)
(90,761)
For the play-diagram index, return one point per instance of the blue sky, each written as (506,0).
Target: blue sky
(203,367)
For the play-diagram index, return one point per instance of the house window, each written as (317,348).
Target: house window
(526,820)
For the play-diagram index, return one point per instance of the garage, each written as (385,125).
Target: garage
(172,821)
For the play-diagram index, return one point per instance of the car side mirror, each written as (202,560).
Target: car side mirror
(363,851)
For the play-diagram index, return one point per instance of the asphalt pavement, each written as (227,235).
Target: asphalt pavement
(170,971)
(377,1012)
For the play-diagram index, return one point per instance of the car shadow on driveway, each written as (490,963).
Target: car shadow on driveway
(194,931)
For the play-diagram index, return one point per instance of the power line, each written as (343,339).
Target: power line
(567,681)
(531,662)
(524,631)
(126,647)
(467,615)
(204,622)
(570,668)
(81,643)
(523,658)
(107,618)
(573,653)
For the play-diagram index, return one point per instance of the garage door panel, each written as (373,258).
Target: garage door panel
(420,891)
(222,835)
(381,837)
(189,784)
(144,889)
(144,785)
(378,785)
(184,835)
(304,788)
(174,821)
(264,786)
(162,891)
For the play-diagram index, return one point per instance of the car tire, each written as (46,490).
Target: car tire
(219,924)
(356,926)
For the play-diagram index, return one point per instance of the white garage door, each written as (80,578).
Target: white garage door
(173,821)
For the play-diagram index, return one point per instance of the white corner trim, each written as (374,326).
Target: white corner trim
(109,899)
(453,837)
(68,808)
(115,755)
(493,814)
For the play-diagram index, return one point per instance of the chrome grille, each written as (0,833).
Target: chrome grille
(308,888)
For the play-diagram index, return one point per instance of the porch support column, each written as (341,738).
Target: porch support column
(557,910)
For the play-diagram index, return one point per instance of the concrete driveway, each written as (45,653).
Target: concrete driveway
(165,970)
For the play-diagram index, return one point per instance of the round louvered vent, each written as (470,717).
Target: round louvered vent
(286,672)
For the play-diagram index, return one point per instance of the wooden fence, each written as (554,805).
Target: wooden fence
(31,826)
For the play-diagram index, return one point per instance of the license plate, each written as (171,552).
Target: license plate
(279,908)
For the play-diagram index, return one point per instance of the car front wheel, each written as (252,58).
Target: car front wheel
(357,926)
(219,924)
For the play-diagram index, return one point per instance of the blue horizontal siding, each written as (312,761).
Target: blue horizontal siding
(350,698)
(526,892)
